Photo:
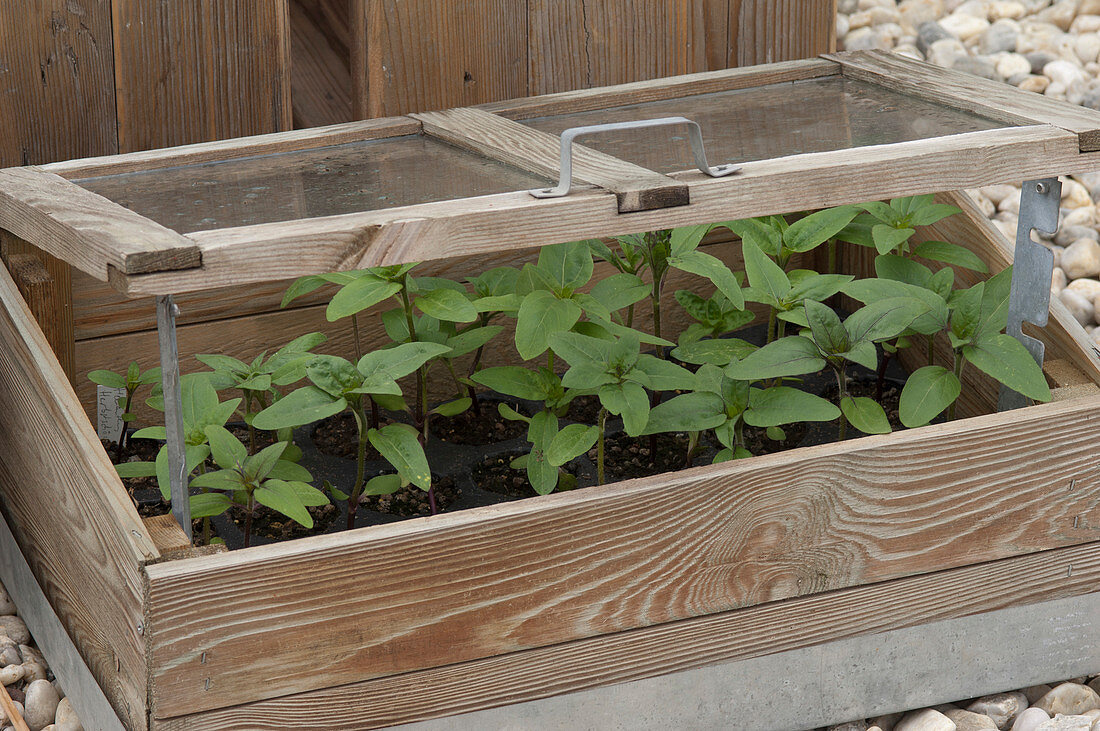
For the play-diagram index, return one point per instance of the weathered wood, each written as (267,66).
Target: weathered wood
(583,100)
(635,188)
(166,533)
(57,91)
(52,457)
(626,656)
(514,220)
(320,80)
(13,714)
(434,54)
(204,71)
(88,231)
(619,557)
(961,90)
(203,152)
(767,31)
(46,284)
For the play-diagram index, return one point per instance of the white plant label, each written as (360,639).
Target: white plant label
(108,412)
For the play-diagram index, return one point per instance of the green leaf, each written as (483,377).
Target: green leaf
(620,291)
(226,449)
(381,485)
(400,448)
(865,414)
(884,319)
(664,375)
(223,363)
(790,356)
(540,316)
(285,469)
(399,361)
(994,316)
(711,268)
(579,349)
(197,397)
(764,275)
(136,469)
(776,434)
(569,265)
(209,504)
(881,211)
(953,254)
(107,379)
(150,432)
(689,412)
(818,287)
(446,305)
(363,292)
(927,392)
(309,495)
(512,381)
(874,289)
(511,414)
(302,286)
(888,238)
(571,442)
(863,353)
(828,332)
(472,339)
(902,269)
(452,408)
(630,401)
(229,480)
(151,376)
(813,230)
(540,433)
(967,311)
(760,232)
(1006,359)
(686,239)
(282,498)
(333,375)
(302,406)
(259,465)
(719,352)
(780,405)
(926,213)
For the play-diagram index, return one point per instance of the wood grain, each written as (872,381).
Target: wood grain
(635,188)
(320,76)
(514,220)
(420,55)
(204,71)
(87,547)
(583,100)
(961,90)
(49,300)
(57,92)
(217,151)
(619,557)
(768,31)
(86,230)
(683,645)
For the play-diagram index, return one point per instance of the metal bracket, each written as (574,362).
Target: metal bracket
(1033,264)
(695,135)
(167,311)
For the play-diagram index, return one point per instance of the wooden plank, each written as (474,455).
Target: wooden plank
(204,152)
(204,71)
(246,336)
(767,31)
(716,30)
(576,44)
(583,100)
(87,548)
(320,79)
(166,533)
(57,92)
(635,188)
(619,557)
(86,230)
(50,636)
(961,90)
(678,646)
(513,220)
(48,291)
(435,54)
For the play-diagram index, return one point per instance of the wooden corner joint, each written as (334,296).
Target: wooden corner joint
(651,198)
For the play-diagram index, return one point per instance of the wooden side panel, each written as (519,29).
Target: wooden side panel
(76,526)
(578,44)
(434,54)
(47,289)
(692,643)
(766,31)
(203,71)
(619,557)
(57,92)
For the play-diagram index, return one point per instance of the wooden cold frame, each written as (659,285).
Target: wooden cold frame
(586,589)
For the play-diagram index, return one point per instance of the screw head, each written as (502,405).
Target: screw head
(1041,188)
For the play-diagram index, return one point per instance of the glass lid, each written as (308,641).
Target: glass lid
(358,176)
(816,115)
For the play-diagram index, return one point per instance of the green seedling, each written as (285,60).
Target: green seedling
(133,380)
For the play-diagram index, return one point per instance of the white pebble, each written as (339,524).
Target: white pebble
(11,674)
(41,704)
(1074,195)
(1081,259)
(1030,719)
(1007,9)
(970,721)
(1057,281)
(944,52)
(1087,288)
(1065,723)
(964,26)
(1013,64)
(1034,84)
(1078,306)
(65,717)
(33,671)
(1083,216)
(1069,698)
(1003,708)
(927,719)
(15,628)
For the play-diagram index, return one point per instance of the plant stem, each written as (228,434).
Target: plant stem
(121,444)
(360,465)
(251,429)
(931,349)
(693,444)
(881,383)
(771,326)
(420,388)
(960,361)
(630,316)
(248,521)
(655,299)
(355,337)
(375,418)
(600,447)
(830,267)
(431,500)
(842,385)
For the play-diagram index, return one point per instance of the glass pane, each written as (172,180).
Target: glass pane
(816,115)
(359,176)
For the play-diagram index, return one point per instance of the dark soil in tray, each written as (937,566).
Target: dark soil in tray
(412,502)
(479,429)
(627,457)
(757,441)
(495,475)
(266,523)
(584,409)
(338,436)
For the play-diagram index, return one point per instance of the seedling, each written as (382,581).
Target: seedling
(134,379)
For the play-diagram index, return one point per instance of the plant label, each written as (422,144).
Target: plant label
(109,412)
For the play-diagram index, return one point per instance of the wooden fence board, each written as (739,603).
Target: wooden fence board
(619,557)
(767,31)
(75,523)
(691,643)
(202,71)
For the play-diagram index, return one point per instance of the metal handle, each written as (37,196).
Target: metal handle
(695,134)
